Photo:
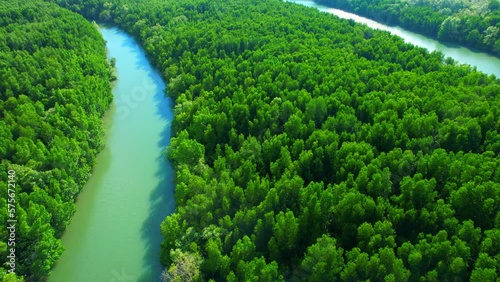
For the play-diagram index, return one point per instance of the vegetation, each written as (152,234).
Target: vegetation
(312,148)
(54,88)
(475,24)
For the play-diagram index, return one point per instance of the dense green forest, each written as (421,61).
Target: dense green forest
(312,148)
(474,24)
(54,89)
(306,147)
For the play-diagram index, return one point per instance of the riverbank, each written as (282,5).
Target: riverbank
(482,61)
(465,24)
(115,232)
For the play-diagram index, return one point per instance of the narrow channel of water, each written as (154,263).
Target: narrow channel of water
(484,62)
(115,234)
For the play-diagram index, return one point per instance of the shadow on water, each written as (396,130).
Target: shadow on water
(161,197)
(162,202)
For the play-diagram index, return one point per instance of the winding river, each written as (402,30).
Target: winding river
(482,61)
(115,234)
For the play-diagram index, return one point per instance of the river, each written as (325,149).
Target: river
(115,234)
(484,62)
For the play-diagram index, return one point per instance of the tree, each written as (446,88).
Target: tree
(285,235)
(215,261)
(354,209)
(449,28)
(183,150)
(258,270)
(416,192)
(485,269)
(323,260)
(372,238)
(243,250)
(316,110)
(185,267)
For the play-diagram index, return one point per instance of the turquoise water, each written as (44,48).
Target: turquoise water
(115,234)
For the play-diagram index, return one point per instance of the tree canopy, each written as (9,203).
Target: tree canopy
(475,24)
(54,89)
(311,148)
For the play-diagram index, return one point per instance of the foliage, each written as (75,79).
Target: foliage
(54,89)
(474,24)
(308,147)
(185,267)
